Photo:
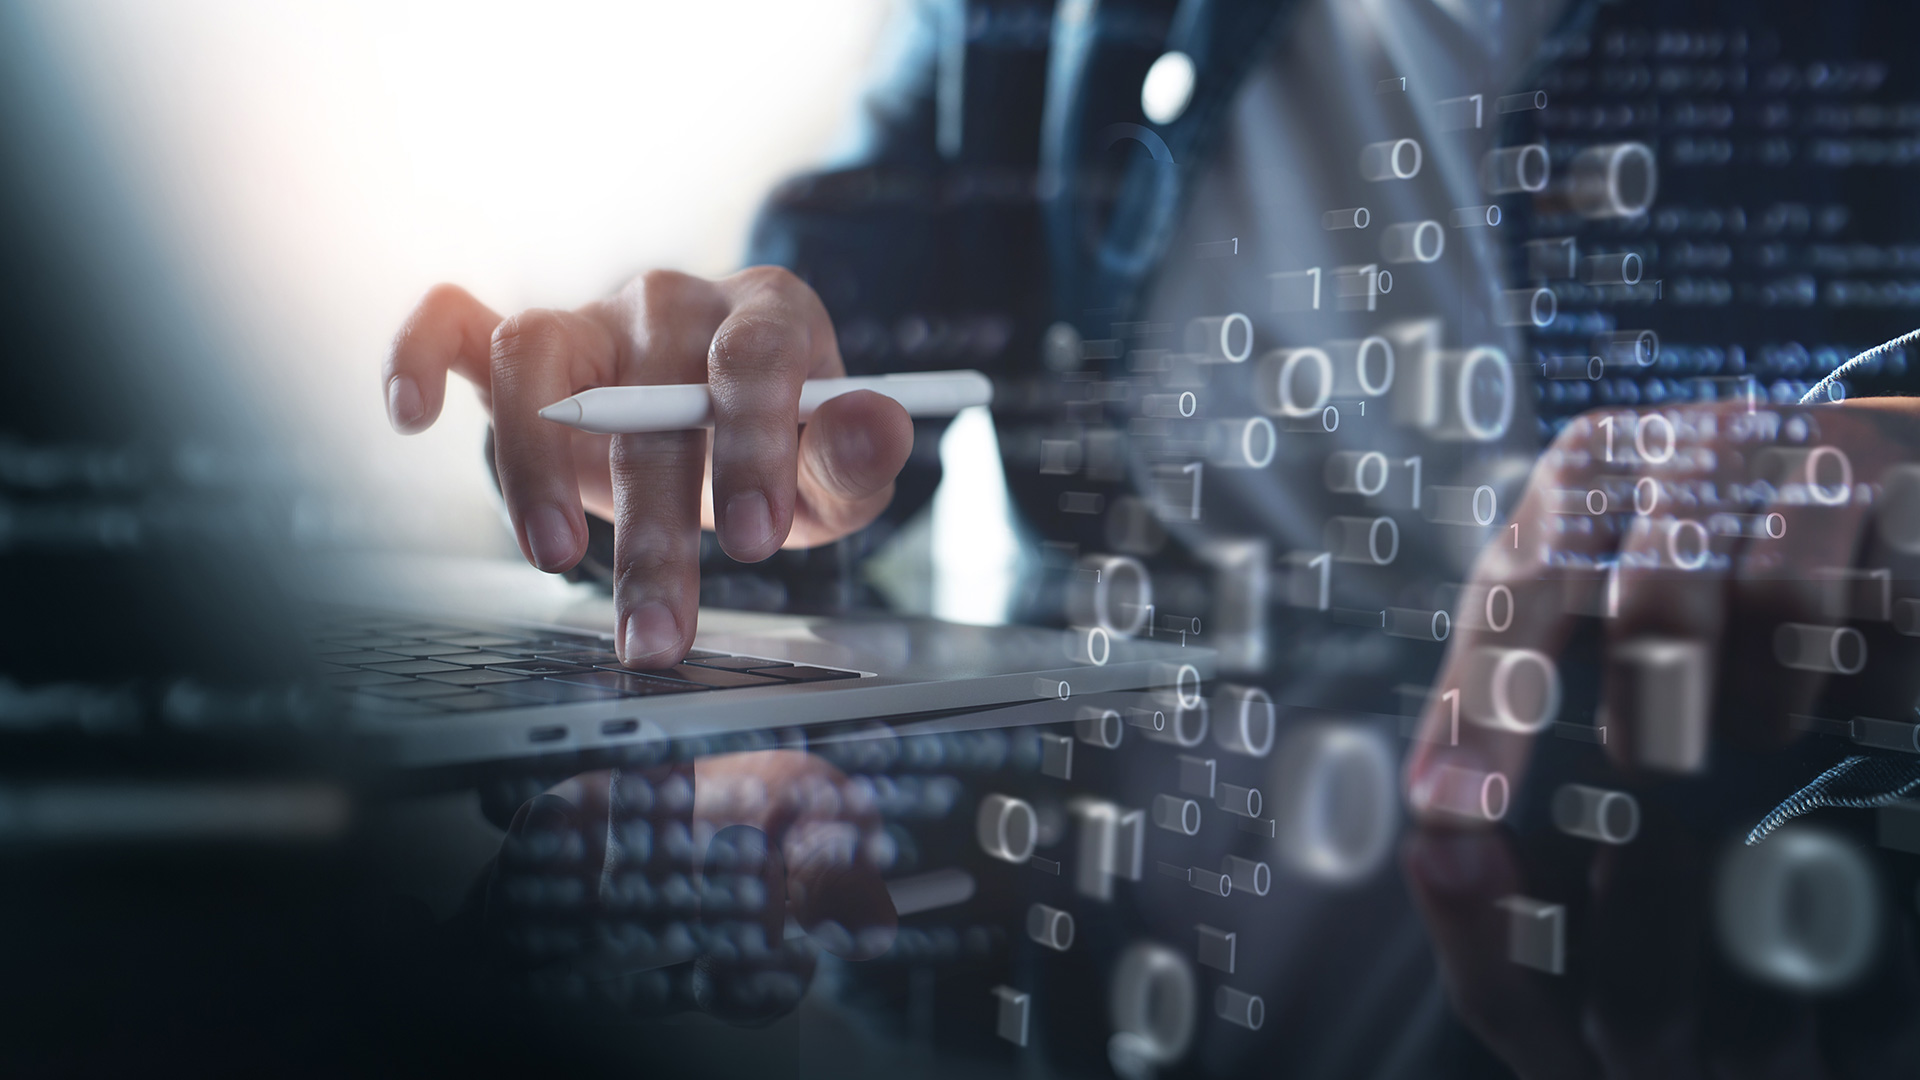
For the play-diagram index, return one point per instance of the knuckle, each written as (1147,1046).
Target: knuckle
(645,564)
(750,450)
(661,454)
(444,295)
(426,323)
(522,470)
(528,334)
(777,280)
(759,343)
(663,291)
(1575,434)
(671,309)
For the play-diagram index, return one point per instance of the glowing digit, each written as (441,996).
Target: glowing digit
(1640,440)
(1393,540)
(1645,485)
(1499,626)
(1493,506)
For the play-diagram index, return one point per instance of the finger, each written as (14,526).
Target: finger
(1812,596)
(541,858)
(666,321)
(447,331)
(834,888)
(777,335)
(850,452)
(656,556)
(1526,1017)
(835,892)
(1498,685)
(760,975)
(1666,620)
(538,358)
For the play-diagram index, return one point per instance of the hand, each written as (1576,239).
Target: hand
(1727,559)
(1688,558)
(669,889)
(753,338)
(1646,989)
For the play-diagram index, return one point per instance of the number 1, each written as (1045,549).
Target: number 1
(1607,422)
(1453,697)
(1324,561)
(1414,464)
(1195,469)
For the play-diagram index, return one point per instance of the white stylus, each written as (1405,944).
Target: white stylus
(630,410)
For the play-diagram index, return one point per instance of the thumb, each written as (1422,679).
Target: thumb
(852,448)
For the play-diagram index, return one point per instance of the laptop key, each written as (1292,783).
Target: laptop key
(477,701)
(538,668)
(479,659)
(412,688)
(387,706)
(360,658)
(803,673)
(705,654)
(629,683)
(415,667)
(549,692)
(484,641)
(473,677)
(588,657)
(428,649)
(737,663)
(365,678)
(705,676)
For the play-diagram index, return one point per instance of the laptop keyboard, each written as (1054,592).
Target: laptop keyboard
(406,667)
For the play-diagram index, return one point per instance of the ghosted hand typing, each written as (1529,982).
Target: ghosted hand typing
(651,891)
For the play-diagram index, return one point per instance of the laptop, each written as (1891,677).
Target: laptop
(436,687)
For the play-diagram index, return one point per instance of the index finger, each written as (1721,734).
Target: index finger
(776,337)
(822,826)
(1498,685)
(448,330)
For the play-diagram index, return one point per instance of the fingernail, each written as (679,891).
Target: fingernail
(651,630)
(749,523)
(403,402)
(549,537)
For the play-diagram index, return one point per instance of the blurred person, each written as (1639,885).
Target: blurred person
(992,213)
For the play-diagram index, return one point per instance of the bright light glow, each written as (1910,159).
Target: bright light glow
(975,549)
(317,165)
(1168,87)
